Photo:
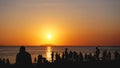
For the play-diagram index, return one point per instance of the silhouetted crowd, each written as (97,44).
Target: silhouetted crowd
(23,59)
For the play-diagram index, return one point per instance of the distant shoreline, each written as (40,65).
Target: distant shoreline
(61,45)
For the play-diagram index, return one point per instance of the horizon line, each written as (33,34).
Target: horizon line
(59,45)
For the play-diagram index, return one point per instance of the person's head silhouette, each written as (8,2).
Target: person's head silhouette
(22,49)
(97,48)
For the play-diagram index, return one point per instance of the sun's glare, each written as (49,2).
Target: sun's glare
(49,36)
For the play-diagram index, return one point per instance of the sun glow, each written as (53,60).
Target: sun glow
(49,36)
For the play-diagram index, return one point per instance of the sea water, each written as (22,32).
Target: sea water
(10,52)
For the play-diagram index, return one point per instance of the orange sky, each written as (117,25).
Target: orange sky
(78,22)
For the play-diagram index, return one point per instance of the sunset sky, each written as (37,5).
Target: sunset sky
(60,22)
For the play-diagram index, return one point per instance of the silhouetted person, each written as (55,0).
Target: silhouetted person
(109,56)
(86,57)
(23,57)
(63,56)
(97,53)
(104,55)
(3,61)
(89,56)
(52,56)
(75,56)
(70,54)
(0,61)
(80,57)
(57,56)
(7,62)
(116,56)
(45,61)
(66,54)
(40,59)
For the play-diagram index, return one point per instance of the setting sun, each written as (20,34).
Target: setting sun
(49,36)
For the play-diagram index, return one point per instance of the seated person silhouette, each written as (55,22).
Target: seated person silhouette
(23,57)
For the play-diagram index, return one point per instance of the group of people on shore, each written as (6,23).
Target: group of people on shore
(74,57)
(24,58)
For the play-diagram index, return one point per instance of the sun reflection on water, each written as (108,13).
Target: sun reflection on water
(48,53)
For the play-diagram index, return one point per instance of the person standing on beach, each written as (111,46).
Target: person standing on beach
(23,57)
(97,53)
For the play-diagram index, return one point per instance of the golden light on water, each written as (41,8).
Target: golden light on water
(48,53)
